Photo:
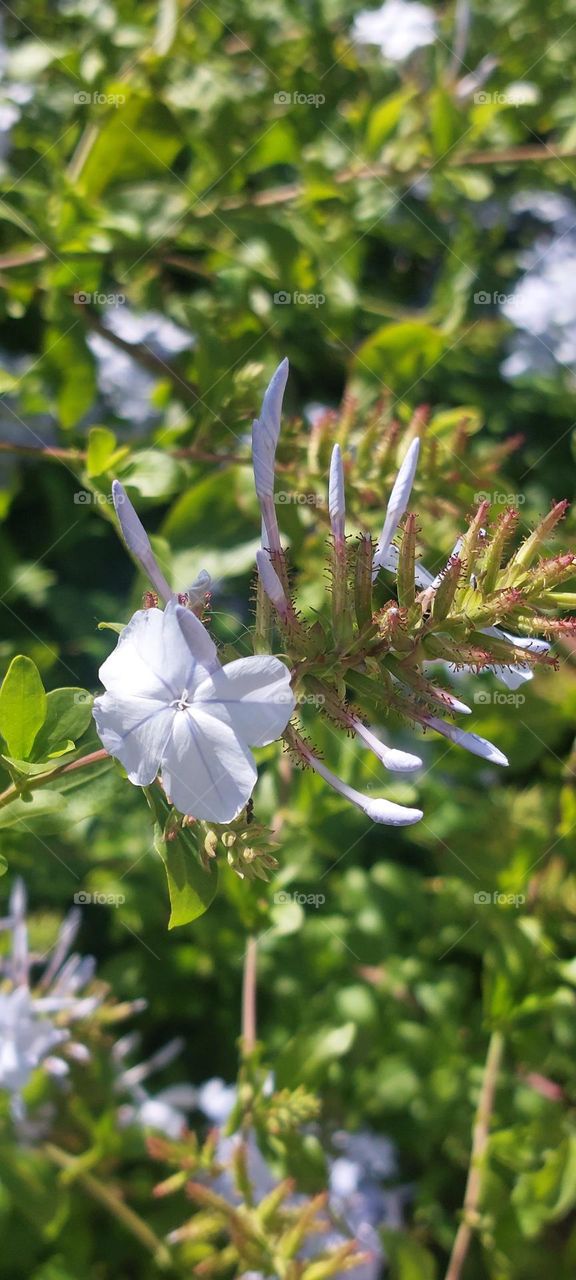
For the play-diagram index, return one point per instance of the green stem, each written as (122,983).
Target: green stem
(31,784)
(100,1192)
(474,1181)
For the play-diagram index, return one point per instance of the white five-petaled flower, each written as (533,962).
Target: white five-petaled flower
(171,707)
(397,27)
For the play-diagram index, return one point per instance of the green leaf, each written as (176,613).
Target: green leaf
(101,448)
(385,117)
(153,474)
(68,715)
(407,1258)
(191,888)
(401,352)
(23,706)
(41,810)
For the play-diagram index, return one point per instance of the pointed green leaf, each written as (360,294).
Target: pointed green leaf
(22,706)
(68,715)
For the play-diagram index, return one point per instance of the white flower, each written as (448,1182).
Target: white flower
(171,707)
(397,27)
(29,1013)
(25,1038)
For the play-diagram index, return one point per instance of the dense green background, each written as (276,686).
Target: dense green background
(198,197)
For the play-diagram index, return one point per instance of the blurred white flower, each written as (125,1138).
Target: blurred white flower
(166,1111)
(35,1016)
(121,380)
(398,27)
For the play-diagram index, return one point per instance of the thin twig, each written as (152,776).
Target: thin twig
(249,997)
(141,354)
(105,1196)
(480,1136)
(39,780)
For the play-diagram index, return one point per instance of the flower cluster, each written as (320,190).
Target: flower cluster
(49,1022)
(172,709)
(236,1191)
(383,649)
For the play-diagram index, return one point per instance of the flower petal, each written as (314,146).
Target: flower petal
(206,771)
(159,654)
(252,695)
(135,731)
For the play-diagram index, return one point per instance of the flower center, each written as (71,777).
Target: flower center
(183,702)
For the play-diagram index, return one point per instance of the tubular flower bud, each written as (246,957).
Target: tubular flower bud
(363,583)
(470,741)
(393,759)
(138,542)
(527,553)
(376,807)
(272,584)
(265,434)
(336,499)
(397,505)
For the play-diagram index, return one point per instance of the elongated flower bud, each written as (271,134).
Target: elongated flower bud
(393,759)
(265,435)
(272,584)
(138,542)
(198,589)
(376,807)
(336,497)
(406,564)
(363,583)
(504,528)
(446,589)
(527,553)
(470,741)
(397,504)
